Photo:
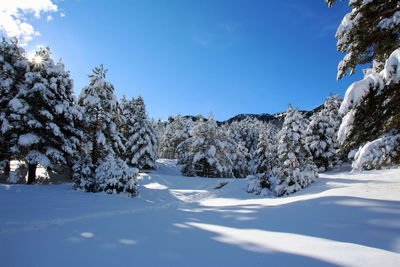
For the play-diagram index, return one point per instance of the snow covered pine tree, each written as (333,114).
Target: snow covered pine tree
(101,167)
(207,154)
(322,134)
(266,161)
(50,132)
(371,110)
(176,132)
(141,145)
(13,66)
(295,170)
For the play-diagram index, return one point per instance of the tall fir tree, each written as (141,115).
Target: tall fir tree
(296,169)
(101,167)
(141,144)
(266,161)
(51,132)
(322,134)
(103,117)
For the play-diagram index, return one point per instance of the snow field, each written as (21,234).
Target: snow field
(345,219)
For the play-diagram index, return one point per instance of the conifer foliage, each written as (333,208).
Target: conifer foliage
(13,66)
(370,109)
(50,132)
(141,139)
(322,134)
(176,132)
(296,169)
(266,161)
(370,32)
(208,154)
(100,167)
(102,113)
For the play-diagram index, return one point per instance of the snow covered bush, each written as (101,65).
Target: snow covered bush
(112,176)
(381,152)
(260,184)
(83,175)
(13,178)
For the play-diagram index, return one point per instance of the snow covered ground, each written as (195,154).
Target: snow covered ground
(343,219)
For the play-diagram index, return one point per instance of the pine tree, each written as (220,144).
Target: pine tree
(236,150)
(101,167)
(266,151)
(141,144)
(103,114)
(322,134)
(370,109)
(370,32)
(13,66)
(51,132)
(175,133)
(207,151)
(265,157)
(295,168)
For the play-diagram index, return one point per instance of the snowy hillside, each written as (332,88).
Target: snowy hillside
(343,219)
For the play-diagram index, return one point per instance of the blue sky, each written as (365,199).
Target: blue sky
(191,57)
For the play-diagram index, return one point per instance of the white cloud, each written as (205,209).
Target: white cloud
(13,17)
(49,17)
(62,14)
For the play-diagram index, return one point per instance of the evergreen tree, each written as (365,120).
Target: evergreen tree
(295,169)
(266,151)
(265,158)
(113,176)
(141,144)
(236,151)
(370,32)
(175,133)
(370,108)
(103,114)
(248,131)
(207,151)
(13,66)
(45,104)
(322,134)
(100,167)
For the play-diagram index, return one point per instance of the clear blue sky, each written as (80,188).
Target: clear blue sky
(191,57)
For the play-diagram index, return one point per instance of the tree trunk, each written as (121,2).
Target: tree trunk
(31,173)
(7,168)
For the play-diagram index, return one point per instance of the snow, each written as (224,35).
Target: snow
(377,153)
(28,139)
(390,23)
(344,218)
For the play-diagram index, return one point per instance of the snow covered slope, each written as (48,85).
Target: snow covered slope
(343,219)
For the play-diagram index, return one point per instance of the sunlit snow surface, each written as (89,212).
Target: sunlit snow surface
(346,219)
